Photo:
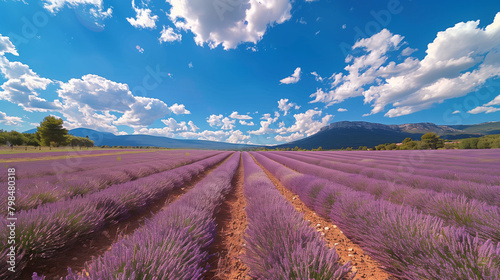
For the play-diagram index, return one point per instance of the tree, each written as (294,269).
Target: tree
(408,144)
(470,143)
(79,141)
(380,147)
(483,143)
(32,139)
(407,140)
(52,131)
(496,143)
(16,138)
(431,141)
(392,146)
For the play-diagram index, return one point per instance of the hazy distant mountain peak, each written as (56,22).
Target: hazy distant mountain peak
(360,133)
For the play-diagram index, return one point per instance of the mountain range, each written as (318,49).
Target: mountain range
(336,135)
(109,139)
(354,134)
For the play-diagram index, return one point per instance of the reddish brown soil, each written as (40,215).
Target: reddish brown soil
(101,242)
(364,265)
(231,225)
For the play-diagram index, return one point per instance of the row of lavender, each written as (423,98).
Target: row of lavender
(425,163)
(30,155)
(417,163)
(48,230)
(174,243)
(279,243)
(458,160)
(75,163)
(422,161)
(466,157)
(423,172)
(96,176)
(478,216)
(411,244)
(52,170)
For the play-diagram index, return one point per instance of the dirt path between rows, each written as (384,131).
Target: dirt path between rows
(97,244)
(364,265)
(225,263)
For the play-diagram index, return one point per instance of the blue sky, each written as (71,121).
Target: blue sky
(247,71)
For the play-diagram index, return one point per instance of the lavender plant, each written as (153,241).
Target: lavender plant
(50,229)
(279,243)
(481,186)
(412,245)
(478,217)
(174,243)
(47,189)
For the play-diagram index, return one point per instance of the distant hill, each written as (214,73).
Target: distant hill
(354,134)
(422,128)
(106,138)
(482,128)
(333,136)
(31,130)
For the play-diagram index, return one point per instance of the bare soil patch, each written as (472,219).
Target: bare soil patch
(225,263)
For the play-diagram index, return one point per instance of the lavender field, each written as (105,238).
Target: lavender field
(193,214)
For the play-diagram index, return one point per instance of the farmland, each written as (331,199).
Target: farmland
(193,214)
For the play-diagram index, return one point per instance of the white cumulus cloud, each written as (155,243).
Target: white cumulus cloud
(487,108)
(169,35)
(235,115)
(179,109)
(227,123)
(9,120)
(6,46)
(144,18)
(483,109)
(284,105)
(144,112)
(309,122)
(293,79)
(242,122)
(97,11)
(81,115)
(264,127)
(192,126)
(23,86)
(237,137)
(228,23)
(172,128)
(215,120)
(219,135)
(317,77)
(408,51)
(290,138)
(493,102)
(98,93)
(459,61)
(224,123)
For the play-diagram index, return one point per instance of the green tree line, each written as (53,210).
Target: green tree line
(50,133)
